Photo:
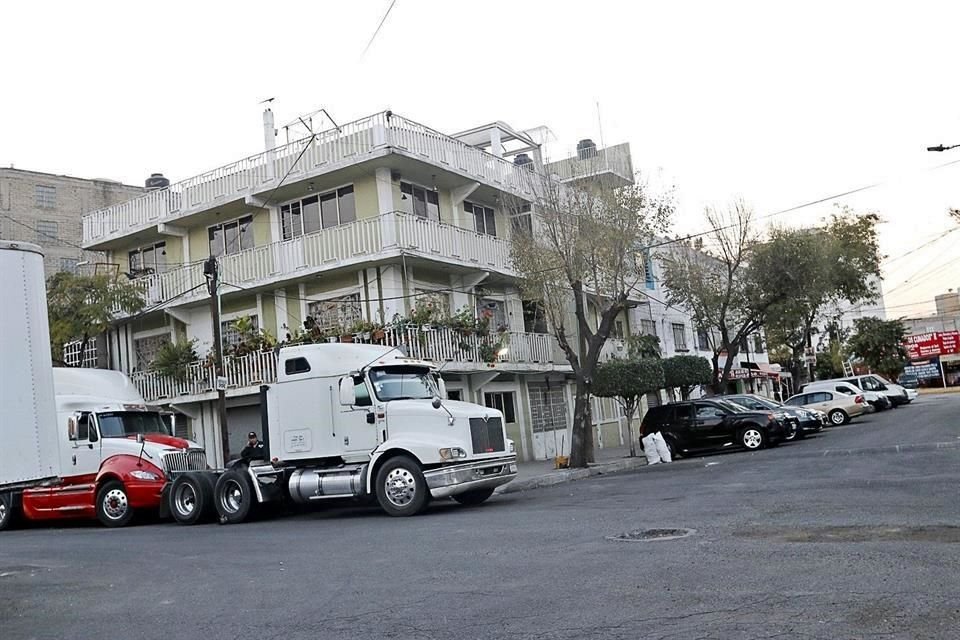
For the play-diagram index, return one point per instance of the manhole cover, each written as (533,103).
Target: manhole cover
(647,535)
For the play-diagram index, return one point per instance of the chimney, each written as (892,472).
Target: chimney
(269,131)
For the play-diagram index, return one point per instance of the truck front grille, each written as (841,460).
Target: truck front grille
(189,460)
(487,435)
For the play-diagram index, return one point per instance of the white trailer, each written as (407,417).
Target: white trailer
(357,421)
(30,452)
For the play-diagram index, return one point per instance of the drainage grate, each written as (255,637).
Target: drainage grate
(646,535)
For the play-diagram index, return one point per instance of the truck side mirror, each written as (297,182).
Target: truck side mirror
(348,395)
(139,438)
(442,387)
(71,428)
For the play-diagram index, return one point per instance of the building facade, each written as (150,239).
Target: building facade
(46,209)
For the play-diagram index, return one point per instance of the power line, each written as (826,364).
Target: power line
(943,234)
(379,26)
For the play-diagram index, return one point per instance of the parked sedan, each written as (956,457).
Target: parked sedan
(807,421)
(839,407)
(711,423)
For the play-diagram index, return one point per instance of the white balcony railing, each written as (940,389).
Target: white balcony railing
(439,345)
(614,160)
(359,241)
(329,150)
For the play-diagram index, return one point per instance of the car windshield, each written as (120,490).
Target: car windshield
(403,383)
(130,423)
(729,405)
(754,402)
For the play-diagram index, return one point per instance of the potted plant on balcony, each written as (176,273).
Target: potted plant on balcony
(174,358)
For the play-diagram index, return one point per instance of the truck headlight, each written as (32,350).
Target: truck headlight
(144,475)
(513,447)
(452,453)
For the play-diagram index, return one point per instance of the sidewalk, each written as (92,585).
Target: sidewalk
(540,473)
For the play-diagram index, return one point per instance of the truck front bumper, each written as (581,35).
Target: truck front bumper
(487,474)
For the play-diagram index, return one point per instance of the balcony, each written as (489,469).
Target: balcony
(513,352)
(374,136)
(369,239)
(611,162)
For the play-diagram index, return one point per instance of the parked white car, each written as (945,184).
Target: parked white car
(876,401)
(877,384)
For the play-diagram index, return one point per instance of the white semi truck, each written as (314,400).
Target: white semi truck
(76,443)
(356,421)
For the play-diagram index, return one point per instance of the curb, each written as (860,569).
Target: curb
(561,476)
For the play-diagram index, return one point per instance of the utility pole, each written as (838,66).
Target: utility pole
(212,273)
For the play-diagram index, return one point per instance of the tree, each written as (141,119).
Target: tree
(719,285)
(686,372)
(643,346)
(584,248)
(82,307)
(879,344)
(824,268)
(628,380)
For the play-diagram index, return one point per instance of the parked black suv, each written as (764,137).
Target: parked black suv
(712,423)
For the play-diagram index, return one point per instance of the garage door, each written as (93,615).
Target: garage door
(241,421)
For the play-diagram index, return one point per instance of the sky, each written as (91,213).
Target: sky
(776,103)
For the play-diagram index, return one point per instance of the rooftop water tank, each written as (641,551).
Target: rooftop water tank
(586,148)
(156,181)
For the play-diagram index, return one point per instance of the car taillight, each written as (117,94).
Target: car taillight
(858,399)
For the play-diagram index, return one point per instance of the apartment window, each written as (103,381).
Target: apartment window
(483,218)
(649,277)
(501,401)
(146,350)
(454,394)
(47,231)
(744,345)
(229,335)
(439,300)
(703,340)
(70,265)
(758,343)
(231,237)
(618,329)
(494,310)
(149,259)
(45,196)
(336,313)
(419,201)
(522,220)
(548,407)
(317,212)
(679,337)
(534,317)
(648,327)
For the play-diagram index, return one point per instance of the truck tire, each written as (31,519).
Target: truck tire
(400,487)
(475,497)
(191,498)
(113,505)
(7,514)
(233,497)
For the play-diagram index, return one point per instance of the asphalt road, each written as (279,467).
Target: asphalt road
(788,543)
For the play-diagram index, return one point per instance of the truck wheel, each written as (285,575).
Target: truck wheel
(7,515)
(233,497)
(401,489)
(113,505)
(471,498)
(191,498)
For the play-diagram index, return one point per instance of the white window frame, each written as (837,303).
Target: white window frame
(427,190)
(224,224)
(317,195)
(154,268)
(679,345)
(229,318)
(468,208)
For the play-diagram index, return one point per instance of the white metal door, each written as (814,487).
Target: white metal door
(549,420)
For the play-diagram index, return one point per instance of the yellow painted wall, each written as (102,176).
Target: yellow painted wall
(238,303)
(294,319)
(156,320)
(365,194)
(269,320)
(331,282)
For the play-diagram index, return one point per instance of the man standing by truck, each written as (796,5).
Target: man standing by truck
(254,449)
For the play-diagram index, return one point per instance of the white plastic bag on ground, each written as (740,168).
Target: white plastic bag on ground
(650,449)
(662,449)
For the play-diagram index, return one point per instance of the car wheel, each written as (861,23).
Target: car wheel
(838,417)
(792,433)
(753,438)
(113,505)
(401,488)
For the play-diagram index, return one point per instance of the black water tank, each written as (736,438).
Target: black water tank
(522,160)
(586,149)
(156,181)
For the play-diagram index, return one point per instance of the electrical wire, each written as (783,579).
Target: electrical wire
(379,26)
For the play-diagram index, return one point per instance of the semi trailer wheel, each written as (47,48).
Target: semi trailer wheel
(191,498)
(233,497)
(401,489)
(6,511)
(113,505)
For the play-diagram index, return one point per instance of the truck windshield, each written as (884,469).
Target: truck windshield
(403,383)
(130,423)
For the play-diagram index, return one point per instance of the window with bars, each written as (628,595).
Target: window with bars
(229,335)
(617,331)
(548,408)
(703,340)
(70,265)
(648,327)
(231,237)
(494,310)
(318,212)
(438,300)
(483,218)
(149,259)
(336,313)
(679,336)
(45,196)
(420,201)
(47,231)
(146,350)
